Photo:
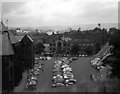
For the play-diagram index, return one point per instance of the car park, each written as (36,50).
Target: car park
(62,73)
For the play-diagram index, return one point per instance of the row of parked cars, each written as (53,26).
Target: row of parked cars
(104,69)
(67,55)
(97,63)
(32,76)
(43,58)
(62,73)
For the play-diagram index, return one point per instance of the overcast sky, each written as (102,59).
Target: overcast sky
(59,12)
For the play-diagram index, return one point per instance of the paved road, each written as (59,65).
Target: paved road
(81,69)
(103,50)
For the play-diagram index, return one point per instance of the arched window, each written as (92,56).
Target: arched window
(59,44)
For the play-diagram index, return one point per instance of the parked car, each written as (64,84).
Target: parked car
(31,84)
(64,66)
(67,69)
(70,81)
(57,81)
(68,75)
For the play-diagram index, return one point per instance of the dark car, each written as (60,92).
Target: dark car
(31,85)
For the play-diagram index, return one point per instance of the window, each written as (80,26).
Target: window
(53,49)
(64,44)
(53,44)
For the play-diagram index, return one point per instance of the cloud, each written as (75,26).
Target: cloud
(8,7)
(101,12)
(60,12)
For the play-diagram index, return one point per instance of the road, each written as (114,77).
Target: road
(103,50)
(81,70)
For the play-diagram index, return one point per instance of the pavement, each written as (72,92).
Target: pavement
(81,70)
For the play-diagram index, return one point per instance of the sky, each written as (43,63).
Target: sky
(28,13)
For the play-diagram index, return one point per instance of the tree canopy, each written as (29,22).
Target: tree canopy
(75,49)
(39,47)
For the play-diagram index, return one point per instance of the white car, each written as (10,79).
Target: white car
(40,66)
(42,58)
(58,62)
(65,65)
(68,75)
(49,58)
(56,65)
(97,59)
(94,63)
(36,58)
(70,81)
(58,84)
(33,78)
(67,70)
(57,81)
(100,67)
(57,78)
(83,55)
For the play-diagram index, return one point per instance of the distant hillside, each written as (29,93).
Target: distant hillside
(66,28)
(92,26)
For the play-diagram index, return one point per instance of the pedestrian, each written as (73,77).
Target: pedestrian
(42,69)
(91,76)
